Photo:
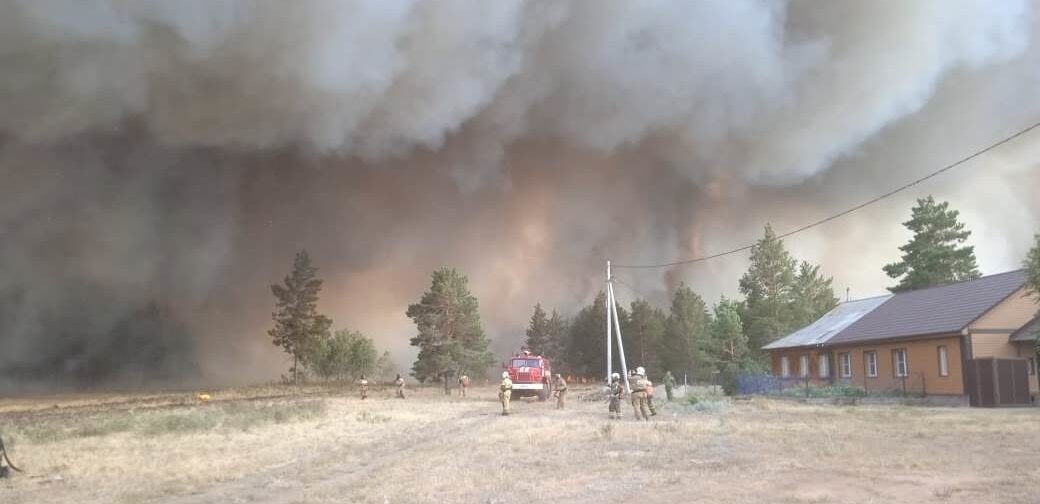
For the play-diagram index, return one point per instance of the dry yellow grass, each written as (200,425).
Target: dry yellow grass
(252,446)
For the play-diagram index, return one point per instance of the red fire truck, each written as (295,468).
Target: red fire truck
(531,375)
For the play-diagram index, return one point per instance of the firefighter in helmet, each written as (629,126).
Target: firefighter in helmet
(561,391)
(639,384)
(616,390)
(505,390)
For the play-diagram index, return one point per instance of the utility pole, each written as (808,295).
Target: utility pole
(612,314)
(610,356)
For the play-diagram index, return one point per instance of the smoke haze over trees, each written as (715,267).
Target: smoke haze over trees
(159,161)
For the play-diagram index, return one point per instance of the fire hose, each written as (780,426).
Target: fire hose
(3,452)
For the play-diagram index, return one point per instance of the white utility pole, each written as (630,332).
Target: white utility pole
(610,357)
(612,314)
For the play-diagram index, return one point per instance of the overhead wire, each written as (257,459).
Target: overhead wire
(845,212)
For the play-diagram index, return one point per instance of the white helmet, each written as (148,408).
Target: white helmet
(615,376)
(640,371)
(505,374)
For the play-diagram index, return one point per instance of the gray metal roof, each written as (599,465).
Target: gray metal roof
(935,310)
(830,324)
(1028,332)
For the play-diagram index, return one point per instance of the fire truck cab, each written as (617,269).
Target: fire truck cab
(531,375)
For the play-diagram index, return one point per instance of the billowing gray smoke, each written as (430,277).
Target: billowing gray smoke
(160,162)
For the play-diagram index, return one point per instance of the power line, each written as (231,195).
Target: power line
(843,213)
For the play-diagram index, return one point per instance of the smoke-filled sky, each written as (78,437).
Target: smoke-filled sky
(161,162)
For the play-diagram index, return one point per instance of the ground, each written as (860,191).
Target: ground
(325,445)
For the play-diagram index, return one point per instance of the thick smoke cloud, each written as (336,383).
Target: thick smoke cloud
(160,162)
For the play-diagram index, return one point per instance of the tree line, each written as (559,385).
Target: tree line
(307,335)
(688,337)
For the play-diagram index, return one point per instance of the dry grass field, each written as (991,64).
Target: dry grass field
(326,446)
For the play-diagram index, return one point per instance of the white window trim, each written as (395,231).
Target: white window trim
(785,367)
(1032,366)
(824,366)
(803,366)
(944,361)
(905,371)
(846,364)
(871,363)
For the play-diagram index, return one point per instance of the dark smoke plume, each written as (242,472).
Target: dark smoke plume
(161,162)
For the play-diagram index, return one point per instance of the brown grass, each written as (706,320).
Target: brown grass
(277,446)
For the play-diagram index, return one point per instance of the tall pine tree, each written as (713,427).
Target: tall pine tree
(812,295)
(936,254)
(686,330)
(729,344)
(297,323)
(450,337)
(556,341)
(586,353)
(642,334)
(538,331)
(768,287)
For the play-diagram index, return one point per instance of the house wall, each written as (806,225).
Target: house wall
(993,345)
(922,365)
(1009,315)
(794,355)
(1025,351)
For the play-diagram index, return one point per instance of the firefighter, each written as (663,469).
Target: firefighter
(638,383)
(505,389)
(650,397)
(615,396)
(669,384)
(363,382)
(561,391)
(463,385)
(400,386)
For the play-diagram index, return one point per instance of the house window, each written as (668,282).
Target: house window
(944,361)
(846,364)
(803,366)
(871,361)
(825,366)
(1032,366)
(899,362)
(785,367)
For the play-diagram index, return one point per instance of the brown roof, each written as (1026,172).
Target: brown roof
(1028,332)
(935,310)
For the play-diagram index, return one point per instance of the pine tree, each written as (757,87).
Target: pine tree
(642,335)
(729,343)
(686,330)
(1032,267)
(538,331)
(556,343)
(812,295)
(450,337)
(297,323)
(934,255)
(768,287)
(586,353)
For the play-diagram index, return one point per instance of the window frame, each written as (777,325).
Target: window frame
(803,366)
(785,366)
(870,363)
(823,366)
(1032,366)
(944,360)
(845,364)
(896,352)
